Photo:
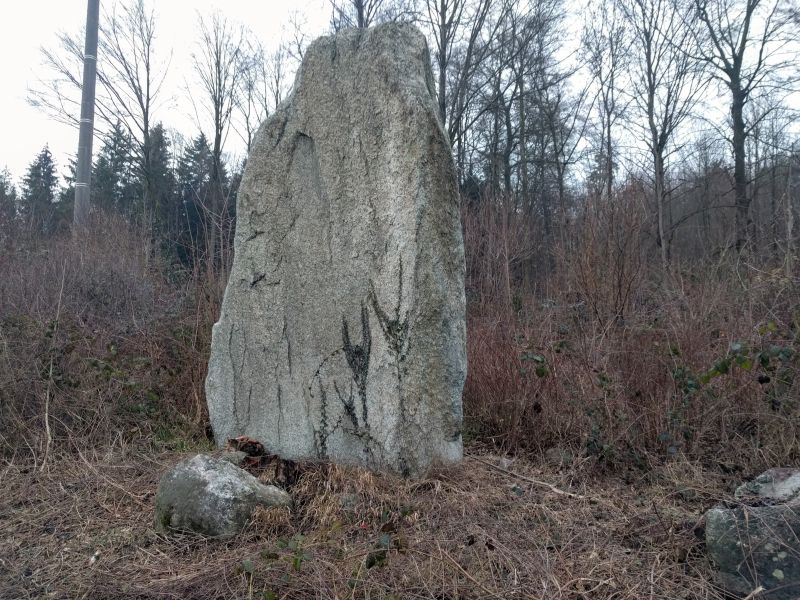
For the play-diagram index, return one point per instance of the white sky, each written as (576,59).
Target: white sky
(27,26)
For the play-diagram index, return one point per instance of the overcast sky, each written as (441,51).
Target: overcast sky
(31,24)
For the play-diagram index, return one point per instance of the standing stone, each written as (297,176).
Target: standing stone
(342,332)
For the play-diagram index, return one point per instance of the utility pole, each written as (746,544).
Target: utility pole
(84,170)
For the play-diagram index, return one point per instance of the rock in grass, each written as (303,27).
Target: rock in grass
(756,540)
(342,331)
(212,497)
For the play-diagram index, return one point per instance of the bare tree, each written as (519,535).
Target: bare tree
(216,64)
(565,118)
(465,35)
(262,84)
(251,94)
(545,122)
(296,41)
(742,42)
(130,78)
(445,18)
(604,45)
(664,85)
(366,13)
(277,76)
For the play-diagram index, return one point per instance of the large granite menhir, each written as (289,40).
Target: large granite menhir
(342,333)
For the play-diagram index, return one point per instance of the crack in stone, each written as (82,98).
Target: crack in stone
(281,131)
(259,277)
(237,374)
(285,336)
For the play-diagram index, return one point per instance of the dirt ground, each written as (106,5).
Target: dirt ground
(488,528)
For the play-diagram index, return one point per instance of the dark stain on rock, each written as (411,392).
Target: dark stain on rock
(358,358)
(394,328)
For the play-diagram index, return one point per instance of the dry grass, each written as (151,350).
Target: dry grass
(83,529)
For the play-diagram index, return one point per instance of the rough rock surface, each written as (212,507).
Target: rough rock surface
(211,496)
(342,331)
(756,540)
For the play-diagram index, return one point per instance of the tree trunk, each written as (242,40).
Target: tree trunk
(443,34)
(523,141)
(789,262)
(740,171)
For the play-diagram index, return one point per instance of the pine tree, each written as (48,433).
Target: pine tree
(162,181)
(39,186)
(194,178)
(114,183)
(194,170)
(63,209)
(8,203)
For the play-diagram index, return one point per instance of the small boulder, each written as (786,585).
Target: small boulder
(755,541)
(211,496)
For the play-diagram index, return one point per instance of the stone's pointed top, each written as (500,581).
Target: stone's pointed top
(342,332)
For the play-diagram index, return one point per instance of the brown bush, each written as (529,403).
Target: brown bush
(100,343)
(609,355)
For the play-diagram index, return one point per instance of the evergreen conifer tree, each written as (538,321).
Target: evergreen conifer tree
(114,183)
(39,186)
(8,204)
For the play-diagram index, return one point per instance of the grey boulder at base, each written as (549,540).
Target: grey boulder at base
(342,331)
(211,496)
(755,541)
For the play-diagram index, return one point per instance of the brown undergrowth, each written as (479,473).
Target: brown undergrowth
(101,343)
(82,528)
(618,360)
(666,390)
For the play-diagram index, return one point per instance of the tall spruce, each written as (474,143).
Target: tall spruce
(194,178)
(162,182)
(39,188)
(115,186)
(8,203)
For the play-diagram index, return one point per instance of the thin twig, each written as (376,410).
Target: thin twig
(528,479)
(754,593)
(48,433)
(466,574)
